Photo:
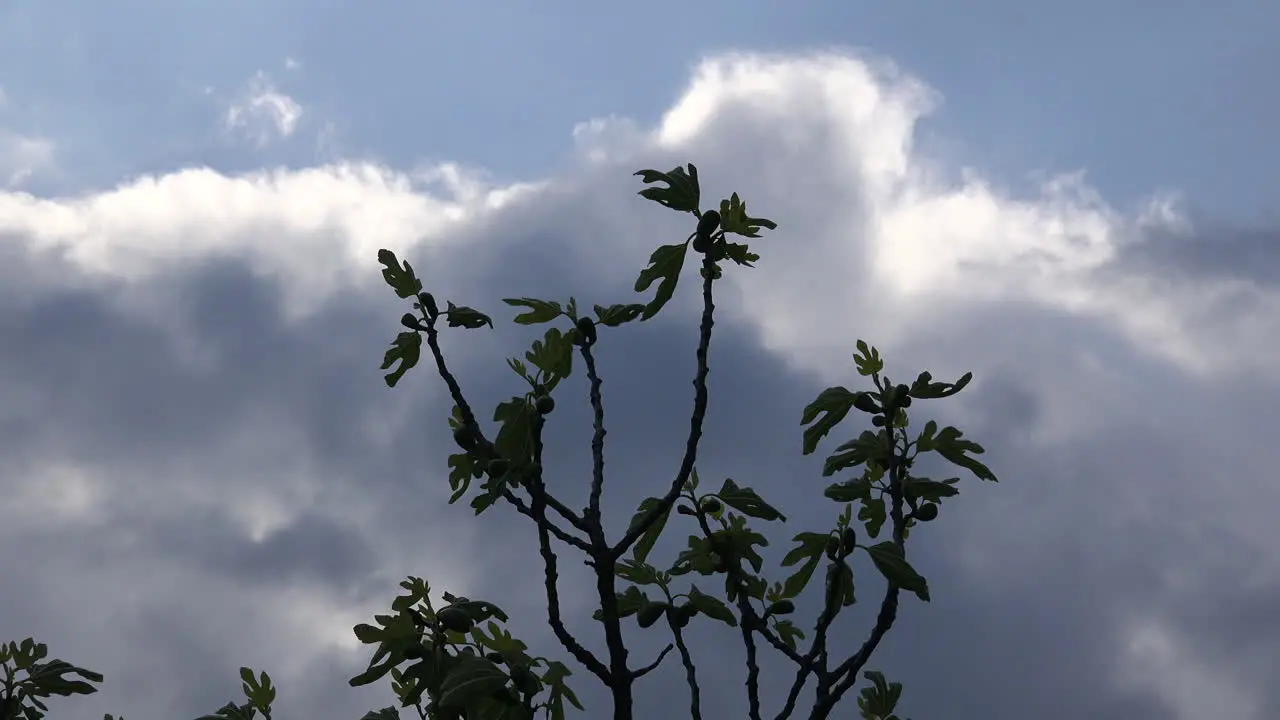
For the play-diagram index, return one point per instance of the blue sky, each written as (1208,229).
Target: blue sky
(1074,201)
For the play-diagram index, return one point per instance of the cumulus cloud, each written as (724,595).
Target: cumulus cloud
(191,379)
(262,113)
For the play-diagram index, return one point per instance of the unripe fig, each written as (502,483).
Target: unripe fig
(685,510)
(544,404)
(782,607)
(650,614)
(465,439)
(429,304)
(707,225)
(499,467)
(878,421)
(866,403)
(495,658)
(927,512)
(452,618)
(904,401)
(848,539)
(587,327)
(410,321)
(833,547)
(900,392)
(711,506)
(524,680)
(684,614)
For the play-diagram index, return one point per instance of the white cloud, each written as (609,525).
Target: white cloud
(263,113)
(23,157)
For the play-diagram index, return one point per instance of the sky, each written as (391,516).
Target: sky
(201,467)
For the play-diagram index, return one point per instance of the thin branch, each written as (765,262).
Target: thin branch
(753,668)
(695,422)
(597,438)
(570,643)
(560,534)
(691,675)
(847,672)
(637,674)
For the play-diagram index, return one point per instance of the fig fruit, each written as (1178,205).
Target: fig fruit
(455,619)
(707,224)
(428,302)
(544,404)
(848,539)
(587,327)
(866,403)
(782,607)
(927,513)
(685,510)
(650,614)
(464,437)
(833,547)
(711,506)
(684,614)
(408,320)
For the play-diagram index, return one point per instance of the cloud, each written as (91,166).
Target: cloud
(192,382)
(263,113)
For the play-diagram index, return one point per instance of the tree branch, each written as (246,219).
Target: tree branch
(846,674)
(695,422)
(597,438)
(536,489)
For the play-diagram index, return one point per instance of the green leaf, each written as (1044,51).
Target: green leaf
(514,440)
(406,349)
(931,490)
(734,219)
(788,632)
(890,562)
(950,445)
(466,317)
(710,606)
(365,633)
(665,263)
(386,713)
(867,447)
(636,572)
(835,402)
(615,315)
(795,584)
(868,360)
(640,551)
(553,355)
(540,311)
(461,470)
(856,489)
(925,389)
(737,252)
(872,514)
(400,278)
(747,501)
(374,673)
(682,193)
(471,678)
(629,603)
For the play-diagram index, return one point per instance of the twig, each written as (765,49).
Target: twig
(695,421)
